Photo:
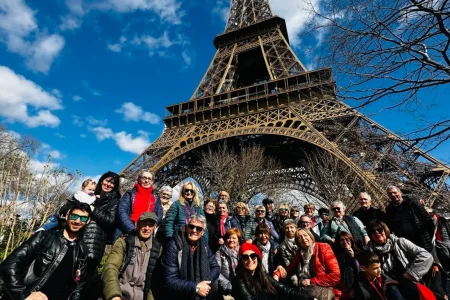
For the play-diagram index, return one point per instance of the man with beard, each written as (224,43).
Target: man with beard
(51,264)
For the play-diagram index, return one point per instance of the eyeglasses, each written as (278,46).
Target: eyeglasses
(189,191)
(305,222)
(377,230)
(82,218)
(336,208)
(246,257)
(282,210)
(260,211)
(210,206)
(146,178)
(196,228)
(294,210)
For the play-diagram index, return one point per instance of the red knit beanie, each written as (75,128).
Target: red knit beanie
(251,247)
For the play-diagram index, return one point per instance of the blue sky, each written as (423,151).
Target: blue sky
(90,78)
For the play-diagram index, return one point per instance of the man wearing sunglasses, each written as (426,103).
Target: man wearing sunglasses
(343,223)
(128,272)
(138,200)
(51,264)
(190,268)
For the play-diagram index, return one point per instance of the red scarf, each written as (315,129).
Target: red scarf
(222,224)
(143,201)
(377,285)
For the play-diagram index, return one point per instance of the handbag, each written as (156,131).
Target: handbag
(320,292)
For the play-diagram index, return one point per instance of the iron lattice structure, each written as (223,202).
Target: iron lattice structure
(256,85)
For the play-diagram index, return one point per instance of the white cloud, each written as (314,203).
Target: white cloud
(296,14)
(83,135)
(221,9)
(55,154)
(127,143)
(132,112)
(124,140)
(18,94)
(38,166)
(115,47)
(19,31)
(69,22)
(77,98)
(76,120)
(96,122)
(102,133)
(168,10)
(60,135)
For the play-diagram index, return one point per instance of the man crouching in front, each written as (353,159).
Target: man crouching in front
(51,264)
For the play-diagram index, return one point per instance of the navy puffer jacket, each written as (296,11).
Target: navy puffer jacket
(171,261)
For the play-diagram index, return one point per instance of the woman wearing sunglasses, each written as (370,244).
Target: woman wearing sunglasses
(181,210)
(278,220)
(400,259)
(253,283)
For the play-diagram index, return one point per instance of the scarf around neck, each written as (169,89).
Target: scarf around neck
(188,210)
(290,244)
(265,249)
(233,255)
(223,219)
(304,268)
(194,266)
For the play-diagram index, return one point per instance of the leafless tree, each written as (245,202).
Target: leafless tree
(396,51)
(242,172)
(26,198)
(334,179)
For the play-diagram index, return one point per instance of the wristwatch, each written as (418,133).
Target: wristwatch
(197,288)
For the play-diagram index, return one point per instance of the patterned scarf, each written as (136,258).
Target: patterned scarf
(188,210)
(385,253)
(223,219)
(291,245)
(265,249)
(233,255)
(304,270)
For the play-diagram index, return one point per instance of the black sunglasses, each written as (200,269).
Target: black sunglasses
(377,230)
(282,209)
(260,211)
(336,208)
(82,218)
(294,210)
(189,191)
(246,257)
(197,228)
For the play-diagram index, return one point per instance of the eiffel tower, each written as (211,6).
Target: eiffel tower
(256,86)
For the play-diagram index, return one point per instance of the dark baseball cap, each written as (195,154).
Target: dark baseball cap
(267,201)
(148,216)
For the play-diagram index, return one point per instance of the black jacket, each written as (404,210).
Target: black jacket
(30,265)
(364,290)
(365,216)
(102,226)
(419,218)
(241,292)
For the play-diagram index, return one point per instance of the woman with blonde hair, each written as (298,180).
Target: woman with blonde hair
(278,221)
(246,222)
(181,210)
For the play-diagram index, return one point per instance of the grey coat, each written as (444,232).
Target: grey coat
(416,260)
(226,271)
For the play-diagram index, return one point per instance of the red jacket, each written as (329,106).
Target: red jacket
(326,266)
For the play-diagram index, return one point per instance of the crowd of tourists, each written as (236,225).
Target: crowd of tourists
(186,249)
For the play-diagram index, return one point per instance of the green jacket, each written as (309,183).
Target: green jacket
(175,218)
(118,260)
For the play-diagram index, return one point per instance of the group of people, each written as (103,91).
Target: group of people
(183,249)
